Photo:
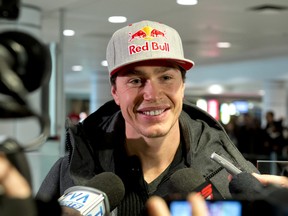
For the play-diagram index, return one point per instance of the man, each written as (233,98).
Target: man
(147,132)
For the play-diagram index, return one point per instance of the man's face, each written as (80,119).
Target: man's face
(150,98)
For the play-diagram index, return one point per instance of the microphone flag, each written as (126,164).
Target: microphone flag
(88,201)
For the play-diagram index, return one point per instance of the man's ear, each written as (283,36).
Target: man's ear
(184,86)
(114,94)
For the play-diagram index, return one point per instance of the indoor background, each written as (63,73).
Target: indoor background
(240,50)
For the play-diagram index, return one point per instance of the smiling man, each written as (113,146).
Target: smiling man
(150,99)
(147,132)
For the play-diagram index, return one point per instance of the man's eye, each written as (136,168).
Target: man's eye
(166,77)
(135,81)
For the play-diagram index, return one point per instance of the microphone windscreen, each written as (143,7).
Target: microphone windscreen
(245,186)
(185,180)
(278,196)
(111,185)
(271,199)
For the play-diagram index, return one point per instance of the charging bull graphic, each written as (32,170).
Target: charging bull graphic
(138,34)
(146,33)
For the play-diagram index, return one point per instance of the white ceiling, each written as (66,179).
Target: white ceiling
(254,36)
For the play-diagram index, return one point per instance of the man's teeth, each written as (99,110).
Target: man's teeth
(154,112)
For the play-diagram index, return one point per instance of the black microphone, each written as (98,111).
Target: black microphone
(111,185)
(190,180)
(247,187)
(271,199)
(100,195)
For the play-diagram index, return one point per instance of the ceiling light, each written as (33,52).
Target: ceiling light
(117,19)
(104,63)
(68,32)
(223,45)
(201,103)
(77,68)
(187,2)
(215,89)
(261,92)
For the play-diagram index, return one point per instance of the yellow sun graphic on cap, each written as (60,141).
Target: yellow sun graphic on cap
(147,30)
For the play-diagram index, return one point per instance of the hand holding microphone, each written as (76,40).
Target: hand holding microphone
(76,201)
(270,189)
(14,185)
(15,192)
(265,179)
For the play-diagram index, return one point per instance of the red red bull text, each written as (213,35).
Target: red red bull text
(149,45)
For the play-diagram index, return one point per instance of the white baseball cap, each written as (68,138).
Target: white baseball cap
(145,41)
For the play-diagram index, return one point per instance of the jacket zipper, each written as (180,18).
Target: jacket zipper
(211,175)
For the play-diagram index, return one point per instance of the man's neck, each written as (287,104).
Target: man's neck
(155,154)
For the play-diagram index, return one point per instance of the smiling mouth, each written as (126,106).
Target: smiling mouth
(153,112)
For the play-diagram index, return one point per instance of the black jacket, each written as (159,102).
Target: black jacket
(96,145)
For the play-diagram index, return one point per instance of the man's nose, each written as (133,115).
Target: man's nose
(151,90)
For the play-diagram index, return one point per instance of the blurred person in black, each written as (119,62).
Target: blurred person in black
(245,134)
(274,139)
(251,138)
(232,129)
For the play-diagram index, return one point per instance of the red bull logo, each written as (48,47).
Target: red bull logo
(138,34)
(207,192)
(157,33)
(147,33)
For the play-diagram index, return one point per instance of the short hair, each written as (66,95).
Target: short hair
(114,76)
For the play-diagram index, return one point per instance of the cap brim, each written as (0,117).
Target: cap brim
(186,64)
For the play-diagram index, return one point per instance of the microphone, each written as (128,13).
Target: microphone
(274,199)
(245,186)
(233,170)
(100,195)
(189,180)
